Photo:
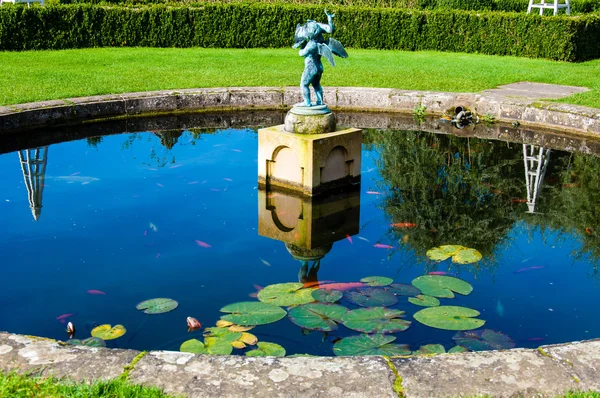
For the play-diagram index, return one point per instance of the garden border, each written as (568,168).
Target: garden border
(548,371)
(574,119)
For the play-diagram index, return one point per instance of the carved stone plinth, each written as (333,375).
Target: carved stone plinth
(309,120)
(309,164)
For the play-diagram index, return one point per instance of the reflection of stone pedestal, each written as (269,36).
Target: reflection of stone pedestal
(309,226)
(308,163)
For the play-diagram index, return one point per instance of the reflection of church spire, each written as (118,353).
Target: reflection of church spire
(169,138)
(536,159)
(33,165)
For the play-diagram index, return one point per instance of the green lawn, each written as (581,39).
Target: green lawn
(15,386)
(41,75)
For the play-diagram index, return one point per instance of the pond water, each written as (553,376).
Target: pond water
(97,225)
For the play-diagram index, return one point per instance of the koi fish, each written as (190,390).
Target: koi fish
(405,239)
(94,291)
(265,262)
(573,185)
(145,232)
(361,238)
(341,285)
(228,179)
(153,227)
(70,329)
(157,255)
(202,244)
(373,193)
(215,190)
(589,231)
(349,239)
(62,317)
(403,225)
(528,269)
(382,246)
(74,174)
(535,339)
(175,166)
(517,200)
(437,273)
(192,183)
(160,185)
(236,150)
(193,324)
(258,289)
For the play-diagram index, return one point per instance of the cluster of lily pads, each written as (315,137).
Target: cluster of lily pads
(319,308)
(105,332)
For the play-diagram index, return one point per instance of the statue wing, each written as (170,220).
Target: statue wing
(325,51)
(300,35)
(337,48)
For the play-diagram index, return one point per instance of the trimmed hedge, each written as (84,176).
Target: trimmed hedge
(577,6)
(266,25)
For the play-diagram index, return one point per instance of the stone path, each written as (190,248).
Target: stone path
(545,372)
(527,90)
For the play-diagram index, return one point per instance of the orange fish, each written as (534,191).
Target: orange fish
(341,285)
(403,225)
(94,291)
(373,193)
(517,200)
(193,324)
(349,238)
(202,244)
(589,231)
(382,246)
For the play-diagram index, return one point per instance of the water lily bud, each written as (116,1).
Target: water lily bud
(193,323)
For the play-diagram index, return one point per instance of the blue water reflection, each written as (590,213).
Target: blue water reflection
(124,215)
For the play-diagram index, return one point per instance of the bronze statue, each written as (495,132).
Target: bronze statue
(309,37)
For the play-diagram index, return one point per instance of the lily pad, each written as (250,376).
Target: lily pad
(286,294)
(89,342)
(467,256)
(401,289)
(327,296)
(222,333)
(248,338)
(430,349)
(157,305)
(377,281)
(459,254)
(442,286)
(266,349)
(211,345)
(375,320)
(424,301)
(252,313)
(372,297)
(481,340)
(449,317)
(457,350)
(317,316)
(370,344)
(239,328)
(107,332)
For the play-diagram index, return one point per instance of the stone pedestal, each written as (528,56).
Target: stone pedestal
(309,164)
(308,225)
(309,120)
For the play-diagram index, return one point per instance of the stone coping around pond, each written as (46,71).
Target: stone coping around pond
(528,112)
(545,372)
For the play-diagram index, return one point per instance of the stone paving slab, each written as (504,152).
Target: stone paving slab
(517,372)
(235,376)
(535,90)
(47,357)
(581,359)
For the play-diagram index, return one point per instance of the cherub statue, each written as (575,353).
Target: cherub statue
(309,37)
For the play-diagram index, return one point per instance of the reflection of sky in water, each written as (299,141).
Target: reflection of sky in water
(94,233)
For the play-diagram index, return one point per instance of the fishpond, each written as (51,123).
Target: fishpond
(449,242)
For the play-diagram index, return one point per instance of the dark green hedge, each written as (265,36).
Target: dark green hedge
(577,6)
(266,25)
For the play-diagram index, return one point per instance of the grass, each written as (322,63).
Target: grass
(42,75)
(18,386)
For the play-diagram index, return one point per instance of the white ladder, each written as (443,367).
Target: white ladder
(535,170)
(552,5)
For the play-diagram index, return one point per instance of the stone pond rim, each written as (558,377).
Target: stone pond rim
(547,371)
(502,106)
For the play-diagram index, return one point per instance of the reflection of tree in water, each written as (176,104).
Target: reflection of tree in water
(94,141)
(572,204)
(456,190)
(169,138)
